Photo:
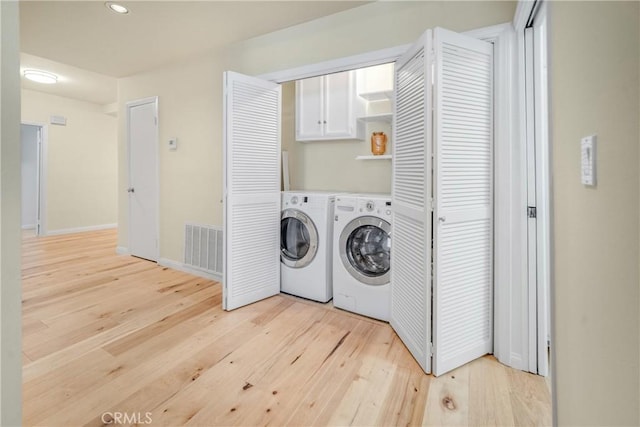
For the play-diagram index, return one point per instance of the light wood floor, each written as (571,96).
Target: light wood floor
(107,334)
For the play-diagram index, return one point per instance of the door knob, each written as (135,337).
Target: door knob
(442,218)
(131,190)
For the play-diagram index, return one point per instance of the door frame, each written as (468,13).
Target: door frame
(128,106)
(510,239)
(41,178)
(539,261)
(543,193)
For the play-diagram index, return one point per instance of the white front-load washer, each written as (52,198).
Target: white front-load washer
(362,254)
(306,237)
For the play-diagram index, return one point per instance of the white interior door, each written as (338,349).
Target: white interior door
(252,120)
(142,128)
(411,193)
(442,285)
(463,192)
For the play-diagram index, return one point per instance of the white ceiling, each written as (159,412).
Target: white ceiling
(73,82)
(88,36)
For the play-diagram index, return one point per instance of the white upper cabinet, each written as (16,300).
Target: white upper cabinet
(309,109)
(327,107)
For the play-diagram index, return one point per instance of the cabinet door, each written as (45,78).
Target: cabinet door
(309,106)
(339,89)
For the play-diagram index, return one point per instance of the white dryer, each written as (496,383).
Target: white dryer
(362,254)
(306,237)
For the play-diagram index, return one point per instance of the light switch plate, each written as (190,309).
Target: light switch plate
(588,160)
(173,144)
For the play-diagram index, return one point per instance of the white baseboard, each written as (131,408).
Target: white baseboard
(121,250)
(187,269)
(81,229)
(29,227)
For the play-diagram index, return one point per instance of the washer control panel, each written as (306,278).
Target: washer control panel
(380,207)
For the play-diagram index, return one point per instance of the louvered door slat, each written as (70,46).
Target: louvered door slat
(411,225)
(463,228)
(252,190)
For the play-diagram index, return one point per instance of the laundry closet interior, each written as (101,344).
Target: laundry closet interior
(398,227)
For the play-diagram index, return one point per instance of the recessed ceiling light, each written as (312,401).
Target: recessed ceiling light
(117,8)
(40,76)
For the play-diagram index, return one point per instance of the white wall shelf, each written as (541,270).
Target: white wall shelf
(384,117)
(383,95)
(372,157)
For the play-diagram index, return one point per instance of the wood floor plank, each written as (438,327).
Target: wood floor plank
(58,359)
(250,358)
(489,399)
(448,399)
(108,333)
(323,391)
(275,389)
(527,394)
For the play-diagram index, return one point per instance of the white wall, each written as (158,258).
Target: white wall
(190,100)
(81,161)
(10,292)
(594,88)
(29,167)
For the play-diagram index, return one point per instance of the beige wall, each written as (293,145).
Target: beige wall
(375,26)
(190,101)
(594,77)
(10,292)
(81,161)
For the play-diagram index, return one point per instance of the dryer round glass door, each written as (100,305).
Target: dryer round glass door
(298,238)
(365,249)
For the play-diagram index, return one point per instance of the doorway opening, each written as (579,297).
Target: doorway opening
(33,175)
(433,177)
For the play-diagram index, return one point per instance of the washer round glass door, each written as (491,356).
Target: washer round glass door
(365,249)
(298,238)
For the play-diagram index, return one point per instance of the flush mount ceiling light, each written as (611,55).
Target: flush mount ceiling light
(117,8)
(40,76)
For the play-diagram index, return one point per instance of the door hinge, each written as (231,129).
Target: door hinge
(431,203)
(532,212)
(430,349)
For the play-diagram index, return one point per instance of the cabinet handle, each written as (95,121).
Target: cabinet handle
(325,122)
(319,122)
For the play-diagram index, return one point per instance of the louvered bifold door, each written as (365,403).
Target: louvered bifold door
(251,190)
(411,183)
(463,190)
